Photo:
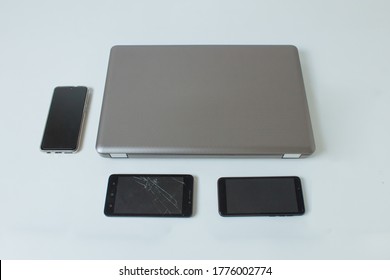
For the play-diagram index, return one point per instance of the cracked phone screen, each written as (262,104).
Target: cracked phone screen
(149,195)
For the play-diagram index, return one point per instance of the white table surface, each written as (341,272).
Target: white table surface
(51,206)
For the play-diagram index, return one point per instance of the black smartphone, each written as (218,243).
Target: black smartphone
(65,119)
(260,196)
(149,195)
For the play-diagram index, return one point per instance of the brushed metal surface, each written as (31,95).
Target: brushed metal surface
(205,100)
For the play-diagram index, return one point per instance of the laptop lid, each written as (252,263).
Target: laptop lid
(205,100)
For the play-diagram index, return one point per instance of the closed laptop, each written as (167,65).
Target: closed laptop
(211,100)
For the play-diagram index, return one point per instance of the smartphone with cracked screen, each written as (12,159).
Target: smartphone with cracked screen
(149,195)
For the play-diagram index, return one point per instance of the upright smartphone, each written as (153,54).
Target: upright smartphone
(149,195)
(65,119)
(260,196)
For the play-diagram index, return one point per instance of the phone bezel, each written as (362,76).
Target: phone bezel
(222,201)
(188,189)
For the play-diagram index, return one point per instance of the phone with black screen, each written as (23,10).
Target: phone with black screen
(260,196)
(65,119)
(149,195)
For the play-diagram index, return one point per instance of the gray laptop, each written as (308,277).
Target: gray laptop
(205,100)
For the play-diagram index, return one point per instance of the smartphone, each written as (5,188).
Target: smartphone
(149,195)
(260,196)
(65,119)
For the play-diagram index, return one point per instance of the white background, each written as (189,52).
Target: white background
(51,206)
(225,269)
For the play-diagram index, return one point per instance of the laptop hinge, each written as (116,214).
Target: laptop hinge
(291,155)
(118,155)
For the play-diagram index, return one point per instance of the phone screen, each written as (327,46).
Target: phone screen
(268,196)
(64,120)
(149,195)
